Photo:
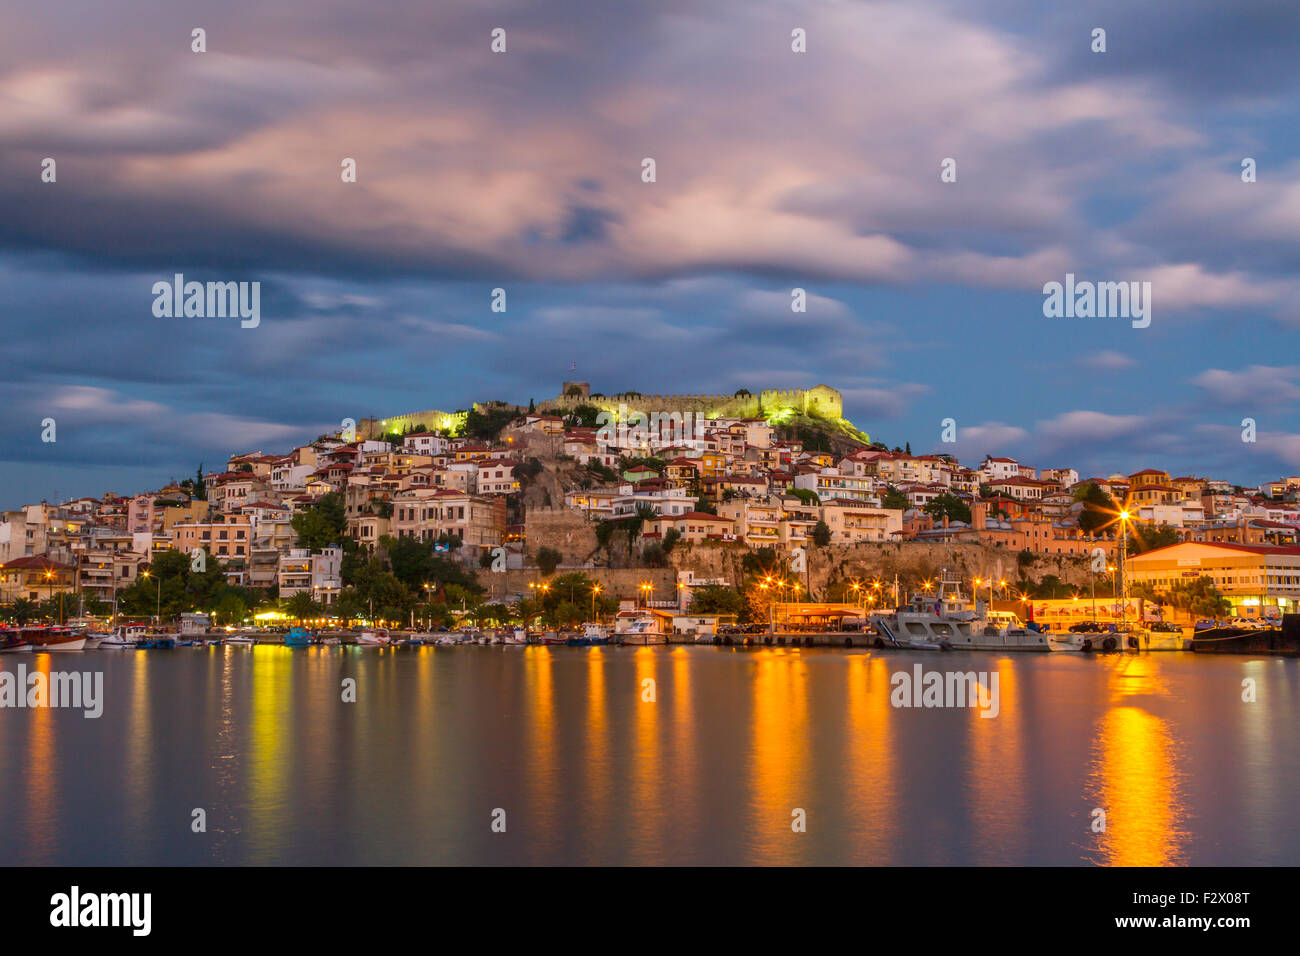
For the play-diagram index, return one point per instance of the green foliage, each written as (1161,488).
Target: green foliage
(1199,597)
(762,561)
(485,421)
(548,559)
(895,500)
(717,599)
(301,606)
(948,504)
(172,589)
(1099,508)
(22,610)
(821,534)
(653,555)
(323,523)
(671,537)
(583,416)
(526,471)
(1051,588)
(1150,537)
(805,495)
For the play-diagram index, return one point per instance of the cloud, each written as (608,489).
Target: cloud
(1256,385)
(1107,361)
(1090,426)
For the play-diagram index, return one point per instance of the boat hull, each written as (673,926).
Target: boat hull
(1283,641)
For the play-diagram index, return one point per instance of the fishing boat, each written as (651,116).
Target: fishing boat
(516,636)
(639,631)
(13,643)
(242,640)
(299,637)
(124,635)
(1000,631)
(1284,640)
(1161,637)
(158,641)
(54,639)
(375,637)
(592,634)
(928,623)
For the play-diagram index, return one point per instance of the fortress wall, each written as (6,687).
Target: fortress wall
(821,400)
(433,419)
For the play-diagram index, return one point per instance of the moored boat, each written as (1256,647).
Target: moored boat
(299,637)
(1284,640)
(375,637)
(639,631)
(157,641)
(124,635)
(54,639)
(13,643)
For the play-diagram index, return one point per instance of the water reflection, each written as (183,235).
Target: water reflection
(592,772)
(1135,774)
(779,750)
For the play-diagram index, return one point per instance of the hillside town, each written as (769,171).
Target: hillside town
(582,485)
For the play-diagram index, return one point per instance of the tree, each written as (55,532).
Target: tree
(22,610)
(671,537)
(231,609)
(653,555)
(548,559)
(948,504)
(485,420)
(583,416)
(200,490)
(322,524)
(301,606)
(717,599)
(805,495)
(1098,508)
(895,500)
(821,534)
(1151,537)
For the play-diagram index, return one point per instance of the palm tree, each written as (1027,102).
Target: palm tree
(301,606)
(23,610)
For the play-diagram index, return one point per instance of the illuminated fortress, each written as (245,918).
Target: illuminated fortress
(774,404)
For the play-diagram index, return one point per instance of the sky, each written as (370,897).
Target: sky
(774,170)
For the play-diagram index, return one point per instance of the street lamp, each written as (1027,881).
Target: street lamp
(595,589)
(158,616)
(1123,582)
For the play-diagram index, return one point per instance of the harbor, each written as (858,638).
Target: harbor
(589,771)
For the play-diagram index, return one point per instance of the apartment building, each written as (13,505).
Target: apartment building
(317,573)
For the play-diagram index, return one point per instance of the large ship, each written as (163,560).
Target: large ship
(947,621)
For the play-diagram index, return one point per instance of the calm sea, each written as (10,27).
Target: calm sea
(567,750)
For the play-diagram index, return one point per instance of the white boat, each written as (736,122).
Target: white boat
(125,636)
(54,639)
(1153,639)
(517,636)
(947,621)
(375,637)
(639,632)
(241,640)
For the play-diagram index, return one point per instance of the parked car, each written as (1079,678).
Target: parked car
(1087,627)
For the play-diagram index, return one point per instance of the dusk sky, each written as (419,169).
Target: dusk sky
(774,170)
